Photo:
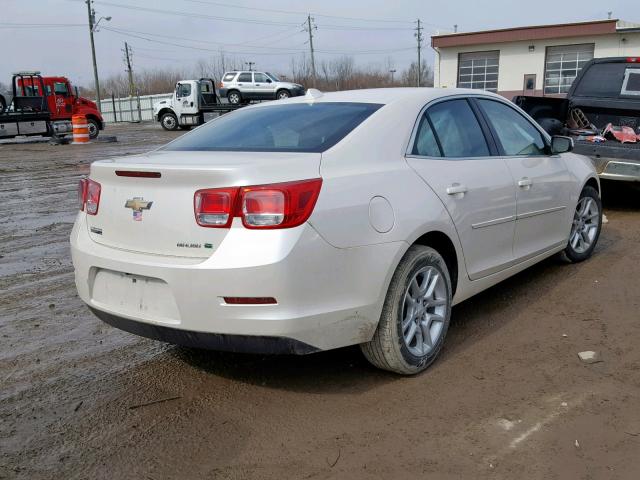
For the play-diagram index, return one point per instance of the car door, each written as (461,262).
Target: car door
(262,85)
(245,84)
(454,155)
(543,183)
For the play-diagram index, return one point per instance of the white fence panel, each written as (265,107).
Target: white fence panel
(126,109)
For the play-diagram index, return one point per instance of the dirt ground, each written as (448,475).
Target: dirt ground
(509,398)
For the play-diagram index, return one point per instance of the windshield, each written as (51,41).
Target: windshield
(273,77)
(299,127)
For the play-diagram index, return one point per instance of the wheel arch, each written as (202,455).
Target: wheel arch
(592,182)
(165,110)
(283,89)
(441,242)
(91,116)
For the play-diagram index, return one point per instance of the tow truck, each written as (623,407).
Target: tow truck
(44,106)
(192,104)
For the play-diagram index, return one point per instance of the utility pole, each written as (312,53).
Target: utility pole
(251,64)
(418,36)
(92,17)
(127,59)
(310,28)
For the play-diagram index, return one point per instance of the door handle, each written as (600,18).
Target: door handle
(525,182)
(456,188)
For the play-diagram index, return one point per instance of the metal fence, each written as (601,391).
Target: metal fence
(130,109)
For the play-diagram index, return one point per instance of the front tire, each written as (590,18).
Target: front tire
(586,226)
(416,313)
(283,94)
(94,128)
(169,121)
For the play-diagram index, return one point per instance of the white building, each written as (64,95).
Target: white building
(538,60)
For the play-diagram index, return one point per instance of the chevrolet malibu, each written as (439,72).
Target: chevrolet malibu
(330,220)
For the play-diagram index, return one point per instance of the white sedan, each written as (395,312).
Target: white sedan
(330,220)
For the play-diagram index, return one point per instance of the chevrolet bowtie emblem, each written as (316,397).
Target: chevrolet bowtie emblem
(138,204)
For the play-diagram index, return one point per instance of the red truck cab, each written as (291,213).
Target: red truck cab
(63,102)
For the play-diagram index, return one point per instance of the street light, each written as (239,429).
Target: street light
(392,71)
(93,27)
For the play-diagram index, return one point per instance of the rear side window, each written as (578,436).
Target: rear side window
(244,77)
(229,76)
(631,84)
(516,134)
(426,144)
(299,127)
(458,129)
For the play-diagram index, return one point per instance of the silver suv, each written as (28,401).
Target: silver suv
(242,87)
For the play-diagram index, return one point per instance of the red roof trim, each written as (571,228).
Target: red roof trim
(539,32)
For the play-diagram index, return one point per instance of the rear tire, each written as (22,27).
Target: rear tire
(586,226)
(234,97)
(418,301)
(169,121)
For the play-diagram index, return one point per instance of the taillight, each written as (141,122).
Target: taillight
(82,193)
(633,60)
(89,196)
(214,207)
(278,205)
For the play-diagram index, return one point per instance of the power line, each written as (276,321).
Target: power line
(140,35)
(292,12)
(198,15)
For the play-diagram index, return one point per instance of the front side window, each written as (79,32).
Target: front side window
(245,77)
(60,88)
(458,130)
(184,90)
(562,66)
(515,133)
(299,127)
(479,70)
(259,78)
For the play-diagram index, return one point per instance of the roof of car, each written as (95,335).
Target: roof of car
(390,95)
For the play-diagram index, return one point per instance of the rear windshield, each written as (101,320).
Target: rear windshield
(602,80)
(299,127)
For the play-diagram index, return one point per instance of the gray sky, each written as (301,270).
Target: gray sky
(266,32)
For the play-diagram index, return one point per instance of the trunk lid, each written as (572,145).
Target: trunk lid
(156,216)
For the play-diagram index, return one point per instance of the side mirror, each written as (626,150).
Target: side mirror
(561,144)
(269,80)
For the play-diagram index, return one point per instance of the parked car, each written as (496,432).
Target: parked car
(356,217)
(242,87)
(606,91)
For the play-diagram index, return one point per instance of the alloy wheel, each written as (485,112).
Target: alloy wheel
(424,310)
(585,225)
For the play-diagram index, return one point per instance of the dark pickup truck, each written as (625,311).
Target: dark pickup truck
(606,91)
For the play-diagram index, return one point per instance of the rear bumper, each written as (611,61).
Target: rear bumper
(327,297)
(211,341)
(627,171)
